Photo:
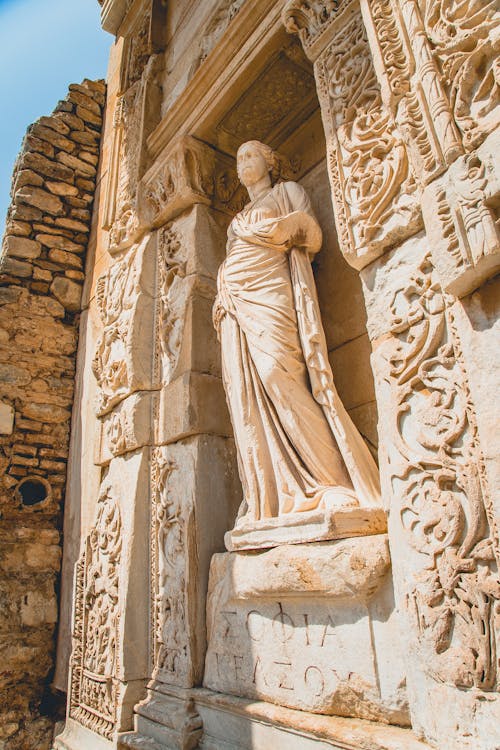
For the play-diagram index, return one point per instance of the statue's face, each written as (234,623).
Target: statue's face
(251,164)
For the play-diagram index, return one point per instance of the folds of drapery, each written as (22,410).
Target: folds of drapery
(357,458)
(296,219)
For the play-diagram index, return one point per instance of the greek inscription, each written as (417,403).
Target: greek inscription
(283,625)
(217,661)
(284,678)
(238,662)
(229,620)
(314,679)
(327,633)
(255,625)
(259,675)
(306,630)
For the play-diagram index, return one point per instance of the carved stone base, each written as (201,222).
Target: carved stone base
(310,526)
(303,626)
(76,737)
(165,720)
(236,724)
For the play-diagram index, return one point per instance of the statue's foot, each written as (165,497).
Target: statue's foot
(339,498)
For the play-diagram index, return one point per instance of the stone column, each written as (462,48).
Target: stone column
(409,111)
(194,482)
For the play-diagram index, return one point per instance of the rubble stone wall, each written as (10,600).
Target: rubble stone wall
(42,266)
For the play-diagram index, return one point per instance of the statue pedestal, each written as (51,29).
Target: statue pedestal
(303,626)
(309,526)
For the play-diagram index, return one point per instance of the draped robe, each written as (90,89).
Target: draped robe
(297,448)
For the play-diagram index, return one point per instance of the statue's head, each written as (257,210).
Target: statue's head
(254,161)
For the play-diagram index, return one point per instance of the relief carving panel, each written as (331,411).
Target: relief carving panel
(94,689)
(374,190)
(461,212)
(123,362)
(442,505)
(181,177)
(464,39)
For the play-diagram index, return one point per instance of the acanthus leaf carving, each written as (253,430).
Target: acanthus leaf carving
(311,18)
(181,177)
(445,510)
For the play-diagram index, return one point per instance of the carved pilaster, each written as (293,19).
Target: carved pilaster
(443,528)
(191,436)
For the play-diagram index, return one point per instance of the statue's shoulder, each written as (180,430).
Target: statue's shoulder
(295,194)
(292,188)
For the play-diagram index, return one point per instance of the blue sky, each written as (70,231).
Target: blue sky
(44,46)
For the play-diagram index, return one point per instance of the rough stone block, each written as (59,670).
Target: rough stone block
(41,199)
(6,418)
(21,247)
(68,292)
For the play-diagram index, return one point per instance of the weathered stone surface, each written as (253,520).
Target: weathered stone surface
(14,267)
(40,199)
(22,248)
(58,124)
(68,292)
(61,243)
(48,168)
(27,177)
(80,167)
(276,622)
(88,116)
(38,340)
(61,188)
(53,137)
(6,418)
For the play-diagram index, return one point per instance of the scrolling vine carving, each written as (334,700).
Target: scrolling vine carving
(376,183)
(93,698)
(464,36)
(171,644)
(446,510)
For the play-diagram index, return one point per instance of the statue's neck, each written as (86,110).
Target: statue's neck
(262,187)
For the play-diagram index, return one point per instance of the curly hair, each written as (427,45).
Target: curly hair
(276,162)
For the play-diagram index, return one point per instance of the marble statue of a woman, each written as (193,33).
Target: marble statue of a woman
(300,457)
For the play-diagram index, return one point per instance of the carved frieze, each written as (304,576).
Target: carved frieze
(373,186)
(312,19)
(127,427)
(123,361)
(464,40)
(171,518)
(219,21)
(94,689)
(461,215)
(134,115)
(442,505)
(411,85)
(181,177)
